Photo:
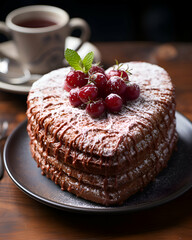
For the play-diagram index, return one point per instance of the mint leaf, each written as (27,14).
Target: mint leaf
(73,59)
(87,61)
(76,62)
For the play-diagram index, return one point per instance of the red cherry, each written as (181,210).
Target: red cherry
(96,69)
(74,97)
(113,102)
(88,93)
(76,79)
(96,109)
(120,73)
(68,89)
(132,91)
(100,80)
(116,85)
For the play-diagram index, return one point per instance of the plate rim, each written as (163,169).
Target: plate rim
(110,209)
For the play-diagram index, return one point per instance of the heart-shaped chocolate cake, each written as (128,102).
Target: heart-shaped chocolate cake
(108,157)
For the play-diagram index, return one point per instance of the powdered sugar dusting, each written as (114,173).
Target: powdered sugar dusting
(106,134)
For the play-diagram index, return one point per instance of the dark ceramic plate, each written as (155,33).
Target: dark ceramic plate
(170,183)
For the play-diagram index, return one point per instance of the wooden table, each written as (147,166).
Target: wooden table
(24,218)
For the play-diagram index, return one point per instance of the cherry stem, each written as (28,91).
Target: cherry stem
(119,66)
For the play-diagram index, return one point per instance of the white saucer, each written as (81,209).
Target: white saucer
(8,49)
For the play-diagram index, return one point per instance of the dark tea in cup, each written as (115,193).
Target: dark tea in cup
(36,23)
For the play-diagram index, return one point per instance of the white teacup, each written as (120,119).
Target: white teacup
(39,32)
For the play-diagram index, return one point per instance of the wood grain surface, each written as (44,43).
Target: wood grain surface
(22,217)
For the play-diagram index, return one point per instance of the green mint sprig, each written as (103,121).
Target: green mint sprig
(76,62)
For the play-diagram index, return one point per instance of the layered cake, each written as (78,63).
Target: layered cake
(103,159)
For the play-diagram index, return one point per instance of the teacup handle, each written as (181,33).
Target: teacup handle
(79,23)
(5,30)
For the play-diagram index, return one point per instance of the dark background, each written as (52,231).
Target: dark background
(122,20)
